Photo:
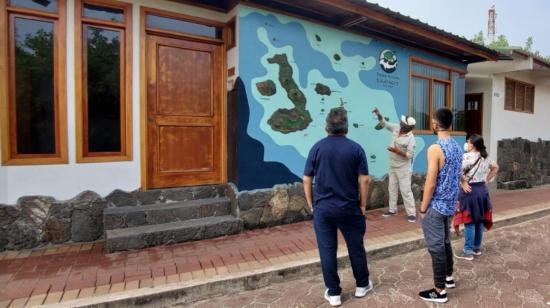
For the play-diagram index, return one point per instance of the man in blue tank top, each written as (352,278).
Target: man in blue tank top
(338,201)
(438,203)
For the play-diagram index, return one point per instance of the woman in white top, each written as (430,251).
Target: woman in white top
(477,170)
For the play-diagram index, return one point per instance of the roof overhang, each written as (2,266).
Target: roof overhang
(372,20)
(522,61)
(523,65)
(538,62)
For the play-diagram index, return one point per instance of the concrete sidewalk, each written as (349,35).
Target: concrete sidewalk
(81,275)
(511,272)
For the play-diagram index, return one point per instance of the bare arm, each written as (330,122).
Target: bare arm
(364,191)
(434,156)
(463,179)
(465,185)
(493,169)
(308,191)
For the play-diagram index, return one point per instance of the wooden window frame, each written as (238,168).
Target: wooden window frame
(524,84)
(184,17)
(231,33)
(7,85)
(432,80)
(81,87)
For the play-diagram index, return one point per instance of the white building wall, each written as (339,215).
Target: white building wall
(510,124)
(65,181)
(3,183)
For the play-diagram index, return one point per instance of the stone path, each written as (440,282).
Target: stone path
(83,271)
(514,271)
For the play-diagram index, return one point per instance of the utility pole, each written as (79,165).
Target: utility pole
(491,24)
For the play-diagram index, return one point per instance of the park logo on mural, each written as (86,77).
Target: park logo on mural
(388,61)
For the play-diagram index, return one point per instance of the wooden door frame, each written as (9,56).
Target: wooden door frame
(480,109)
(143,83)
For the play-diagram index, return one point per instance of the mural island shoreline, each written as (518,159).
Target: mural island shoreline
(289,120)
(266,87)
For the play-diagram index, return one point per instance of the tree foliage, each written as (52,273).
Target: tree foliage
(34,63)
(103,76)
(479,39)
(528,43)
(502,42)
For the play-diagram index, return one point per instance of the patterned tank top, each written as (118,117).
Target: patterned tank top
(447,186)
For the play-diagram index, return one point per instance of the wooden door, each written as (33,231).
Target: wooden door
(473,114)
(184,112)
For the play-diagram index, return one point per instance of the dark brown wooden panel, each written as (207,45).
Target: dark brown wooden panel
(184,81)
(174,157)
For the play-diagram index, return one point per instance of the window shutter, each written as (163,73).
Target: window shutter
(520,97)
(509,96)
(529,98)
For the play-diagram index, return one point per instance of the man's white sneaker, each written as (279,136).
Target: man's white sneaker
(362,291)
(333,300)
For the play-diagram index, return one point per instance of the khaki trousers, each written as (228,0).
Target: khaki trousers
(400,180)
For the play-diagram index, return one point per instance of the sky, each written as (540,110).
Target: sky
(517,20)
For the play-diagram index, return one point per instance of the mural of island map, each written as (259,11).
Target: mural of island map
(295,71)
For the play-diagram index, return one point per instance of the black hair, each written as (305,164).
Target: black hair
(337,121)
(444,117)
(478,143)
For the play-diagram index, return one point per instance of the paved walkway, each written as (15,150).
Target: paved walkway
(513,271)
(80,271)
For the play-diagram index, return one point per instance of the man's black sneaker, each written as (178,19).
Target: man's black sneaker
(477,252)
(389,214)
(449,283)
(433,296)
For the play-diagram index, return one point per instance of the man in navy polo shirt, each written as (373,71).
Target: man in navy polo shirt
(339,167)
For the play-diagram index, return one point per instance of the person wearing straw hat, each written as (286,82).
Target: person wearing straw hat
(401,150)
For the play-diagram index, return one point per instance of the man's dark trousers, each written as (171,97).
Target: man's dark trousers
(352,224)
(436,227)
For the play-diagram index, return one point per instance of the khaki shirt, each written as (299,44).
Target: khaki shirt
(404,143)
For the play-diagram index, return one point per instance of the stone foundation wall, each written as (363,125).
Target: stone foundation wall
(36,220)
(523,163)
(41,220)
(282,204)
(285,204)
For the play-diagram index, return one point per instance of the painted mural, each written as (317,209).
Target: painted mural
(294,72)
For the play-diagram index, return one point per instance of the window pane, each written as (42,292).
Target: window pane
(430,71)
(458,90)
(42,5)
(520,96)
(440,95)
(420,99)
(102,12)
(34,86)
(171,24)
(510,95)
(103,64)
